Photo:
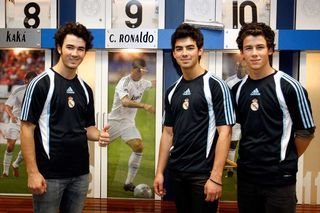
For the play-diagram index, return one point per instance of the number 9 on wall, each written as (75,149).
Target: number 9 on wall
(135,14)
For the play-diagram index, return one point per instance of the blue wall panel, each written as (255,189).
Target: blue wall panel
(47,38)
(174,13)
(66,11)
(286,20)
(291,40)
(285,14)
(213,39)
(299,39)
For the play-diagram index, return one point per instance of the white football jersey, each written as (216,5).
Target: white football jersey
(232,80)
(15,99)
(236,129)
(134,90)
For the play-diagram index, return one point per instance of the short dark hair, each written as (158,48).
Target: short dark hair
(30,75)
(76,29)
(185,30)
(138,63)
(256,29)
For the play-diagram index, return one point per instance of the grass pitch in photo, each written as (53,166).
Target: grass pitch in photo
(12,184)
(119,152)
(131,115)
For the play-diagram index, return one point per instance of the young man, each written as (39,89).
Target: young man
(197,129)
(126,102)
(57,120)
(12,132)
(276,127)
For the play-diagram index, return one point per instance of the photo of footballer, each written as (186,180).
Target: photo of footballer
(132,77)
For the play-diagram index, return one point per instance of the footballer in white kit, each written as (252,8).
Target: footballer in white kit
(12,131)
(127,100)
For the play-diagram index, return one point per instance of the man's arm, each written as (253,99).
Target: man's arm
(165,146)
(94,134)
(302,143)
(213,187)
(302,119)
(8,110)
(36,182)
(126,102)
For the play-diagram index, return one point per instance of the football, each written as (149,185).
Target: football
(142,191)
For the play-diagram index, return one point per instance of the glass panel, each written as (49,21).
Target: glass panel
(26,14)
(91,13)
(14,65)
(86,71)
(308,14)
(127,123)
(200,10)
(311,170)
(233,69)
(232,65)
(2,14)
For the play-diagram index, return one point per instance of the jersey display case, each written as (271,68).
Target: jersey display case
(308,14)
(21,53)
(30,14)
(200,10)
(129,124)
(92,13)
(238,12)
(15,63)
(135,14)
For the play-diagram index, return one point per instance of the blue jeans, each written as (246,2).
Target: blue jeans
(66,194)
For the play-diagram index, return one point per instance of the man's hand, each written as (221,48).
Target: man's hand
(212,190)
(36,183)
(104,137)
(149,108)
(158,185)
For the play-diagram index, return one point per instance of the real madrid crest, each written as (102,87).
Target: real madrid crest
(185,104)
(254,104)
(71,102)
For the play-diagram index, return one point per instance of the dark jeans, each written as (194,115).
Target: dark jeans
(66,194)
(254,198)
(188,193)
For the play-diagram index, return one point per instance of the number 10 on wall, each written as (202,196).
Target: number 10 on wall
(239,12)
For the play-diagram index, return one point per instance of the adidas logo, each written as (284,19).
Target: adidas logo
(70,90)
(255,92)
(187,92)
